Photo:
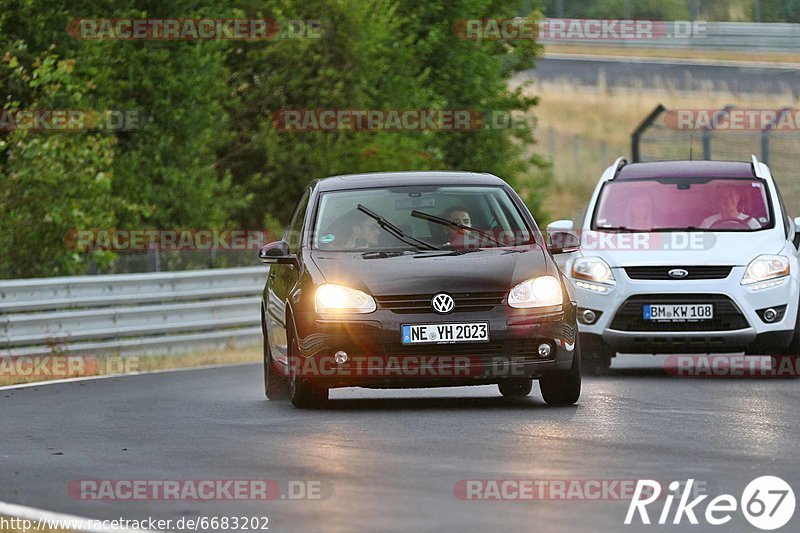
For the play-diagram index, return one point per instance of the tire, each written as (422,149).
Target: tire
(563,387)
(794,345)
(515,388)
(595,354)
(275,386)
(785,366)
(304,393)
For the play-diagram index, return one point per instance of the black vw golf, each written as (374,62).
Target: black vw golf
(417,279)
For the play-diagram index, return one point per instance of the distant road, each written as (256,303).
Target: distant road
(685,75)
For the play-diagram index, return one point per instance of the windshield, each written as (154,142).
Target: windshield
(427,217)
(683,204)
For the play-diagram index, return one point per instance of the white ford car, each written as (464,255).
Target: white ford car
(685,257)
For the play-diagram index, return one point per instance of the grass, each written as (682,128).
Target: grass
(582,130)
(670,53)
(133,364)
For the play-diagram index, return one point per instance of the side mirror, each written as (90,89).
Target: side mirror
(277,253)
(797,223)
(562,242)
(559,225)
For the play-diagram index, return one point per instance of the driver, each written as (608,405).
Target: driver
(459,215)
(364,234)
(729,211)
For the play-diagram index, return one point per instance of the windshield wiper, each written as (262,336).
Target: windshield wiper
(394,230)
(678,228)
(618,229)
(445,222)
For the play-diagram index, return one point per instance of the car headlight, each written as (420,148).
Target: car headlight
(766,267)
(536,292)
(331,298)
(592,269)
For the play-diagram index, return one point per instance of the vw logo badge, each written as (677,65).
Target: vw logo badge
(678,273)
(443,303)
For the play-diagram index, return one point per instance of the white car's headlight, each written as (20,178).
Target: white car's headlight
(592,269)
(766,267)
(536,292)
(331,298)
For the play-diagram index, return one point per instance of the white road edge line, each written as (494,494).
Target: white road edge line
(108,376)
(668,61)
(42,519)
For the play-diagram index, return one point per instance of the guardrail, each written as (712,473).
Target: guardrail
(131,314)
(732,36)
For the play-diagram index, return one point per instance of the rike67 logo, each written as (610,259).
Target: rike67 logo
(767,503)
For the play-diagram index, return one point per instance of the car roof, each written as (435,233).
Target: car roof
(686,169)
(396,179)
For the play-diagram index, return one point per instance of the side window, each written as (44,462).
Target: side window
(294,232)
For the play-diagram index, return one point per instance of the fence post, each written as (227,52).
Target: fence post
(637,133)
(707,144)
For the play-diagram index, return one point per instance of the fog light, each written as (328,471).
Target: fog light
(770,315)
(340,357)
(589,316)
(544,350)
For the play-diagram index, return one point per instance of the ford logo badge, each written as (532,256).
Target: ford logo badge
(678,273)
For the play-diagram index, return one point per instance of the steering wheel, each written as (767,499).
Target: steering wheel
(729,223)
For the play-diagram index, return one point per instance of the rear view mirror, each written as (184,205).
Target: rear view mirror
(276,253)
(561,242)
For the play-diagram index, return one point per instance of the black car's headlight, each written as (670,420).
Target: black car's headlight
(332,298)
(536,292)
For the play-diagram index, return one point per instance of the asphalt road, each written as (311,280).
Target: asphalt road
(389,460)
(739,80)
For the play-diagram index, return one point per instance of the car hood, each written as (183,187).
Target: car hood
(680,249)
(485,270)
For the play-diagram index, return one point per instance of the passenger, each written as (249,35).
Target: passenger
(640,212)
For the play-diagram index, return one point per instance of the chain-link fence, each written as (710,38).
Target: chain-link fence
(727,134)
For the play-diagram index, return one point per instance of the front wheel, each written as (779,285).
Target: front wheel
(596,355)
(515,388)
(785,366)
(275,386)
(304,393)
(563,387)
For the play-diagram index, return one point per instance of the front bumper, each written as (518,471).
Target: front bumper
(737,325)
(377,358)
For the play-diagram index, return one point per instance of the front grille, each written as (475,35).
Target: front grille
(511,351)
(694,272)
(421,303)
(630,316)
(485,349)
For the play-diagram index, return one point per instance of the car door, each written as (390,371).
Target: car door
(281,280)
